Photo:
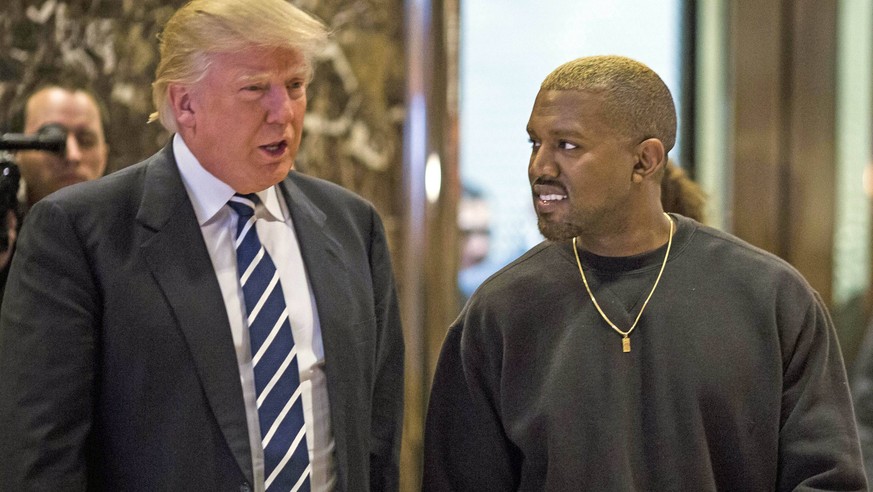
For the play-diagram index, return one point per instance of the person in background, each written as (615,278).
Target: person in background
(682,195)
(207,319)
(84,158)
(85,155)
(634,349)
(474,226)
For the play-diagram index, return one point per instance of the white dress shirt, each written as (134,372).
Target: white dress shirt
(209,196)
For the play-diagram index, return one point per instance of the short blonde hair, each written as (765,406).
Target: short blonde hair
(636,101)
(203,28)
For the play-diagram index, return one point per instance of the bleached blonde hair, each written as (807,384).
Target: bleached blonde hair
(636,102)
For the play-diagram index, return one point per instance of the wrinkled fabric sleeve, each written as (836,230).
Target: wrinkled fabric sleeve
(387,420)
(465,446)
(819,447)
(48,337)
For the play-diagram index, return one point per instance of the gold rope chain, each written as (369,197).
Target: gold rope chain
(625,339)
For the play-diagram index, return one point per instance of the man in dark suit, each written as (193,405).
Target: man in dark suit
(206,320)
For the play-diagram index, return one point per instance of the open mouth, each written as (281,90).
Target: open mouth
(549,192)
(551,198)
(275,148)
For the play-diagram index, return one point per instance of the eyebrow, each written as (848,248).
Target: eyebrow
(568,133)
(255,75)
(247,78)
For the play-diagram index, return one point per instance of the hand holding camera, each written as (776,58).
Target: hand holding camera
(51,137)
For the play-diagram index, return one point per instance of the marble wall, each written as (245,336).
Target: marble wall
(110,46)
(353,130)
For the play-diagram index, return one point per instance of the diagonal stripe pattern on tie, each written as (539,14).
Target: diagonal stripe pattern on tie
(274,357)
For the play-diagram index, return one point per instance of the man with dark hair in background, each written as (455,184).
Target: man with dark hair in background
(84,158)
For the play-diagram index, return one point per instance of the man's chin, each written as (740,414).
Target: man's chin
(559,231)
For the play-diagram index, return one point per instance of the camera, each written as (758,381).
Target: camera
(9,181)
(51,137)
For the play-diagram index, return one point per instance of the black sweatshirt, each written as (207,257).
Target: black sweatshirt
(734,380)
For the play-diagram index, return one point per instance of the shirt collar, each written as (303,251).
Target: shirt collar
(209,194)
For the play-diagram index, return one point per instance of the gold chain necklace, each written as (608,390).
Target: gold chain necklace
(625,335)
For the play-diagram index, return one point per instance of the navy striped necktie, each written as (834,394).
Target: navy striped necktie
(274,357)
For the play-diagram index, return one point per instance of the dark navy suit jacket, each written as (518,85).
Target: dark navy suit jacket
(117,366)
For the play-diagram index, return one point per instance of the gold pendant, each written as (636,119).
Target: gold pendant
(625,344)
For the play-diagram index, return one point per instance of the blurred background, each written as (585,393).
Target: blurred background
(421,106)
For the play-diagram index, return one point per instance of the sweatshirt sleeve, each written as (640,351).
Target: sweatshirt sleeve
(465,447)
(819,447)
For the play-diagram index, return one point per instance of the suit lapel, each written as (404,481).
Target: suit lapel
(322,255)
(328,275)
(181,265)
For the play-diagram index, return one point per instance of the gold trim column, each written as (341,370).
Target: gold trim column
(428,249)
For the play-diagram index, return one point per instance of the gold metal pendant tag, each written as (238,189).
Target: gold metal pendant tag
(625,344)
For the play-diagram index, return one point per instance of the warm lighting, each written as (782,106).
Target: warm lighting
(867,179)
(433,177)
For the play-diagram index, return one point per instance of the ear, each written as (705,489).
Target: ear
(651,157)
(181,100)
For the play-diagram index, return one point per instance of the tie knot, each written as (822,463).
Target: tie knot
(243,205)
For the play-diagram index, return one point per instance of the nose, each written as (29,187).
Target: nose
(73,151)
(280,109)
(542,163)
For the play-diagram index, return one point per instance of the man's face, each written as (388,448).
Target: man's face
(580,169)
(244,120)
(85,155)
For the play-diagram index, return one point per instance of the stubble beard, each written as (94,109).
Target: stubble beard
(557,231)
(579,222)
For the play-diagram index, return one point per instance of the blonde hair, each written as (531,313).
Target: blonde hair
(203,28)
(636,102)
